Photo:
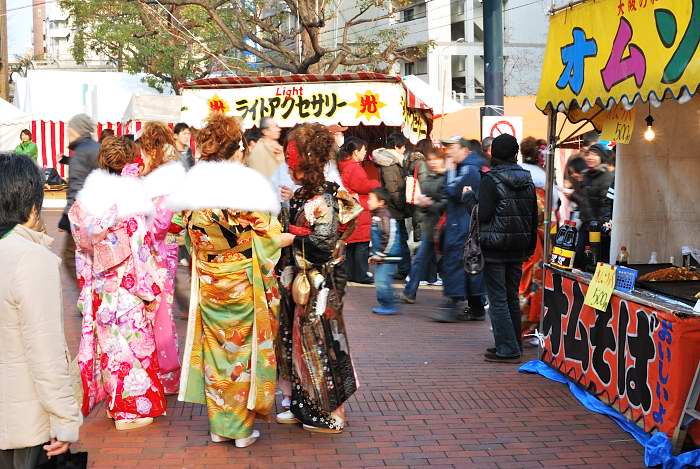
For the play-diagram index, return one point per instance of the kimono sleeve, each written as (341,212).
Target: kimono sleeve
(148,277)
(319,245)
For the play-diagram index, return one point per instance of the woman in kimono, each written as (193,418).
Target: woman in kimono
(235,239)
(120,281)
(321,215)
(157,146)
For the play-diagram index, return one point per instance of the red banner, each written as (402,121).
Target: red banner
(639,360)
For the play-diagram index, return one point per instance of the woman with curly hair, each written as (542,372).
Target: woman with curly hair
(235,240)
(120,281)
(158,156)
(321,218)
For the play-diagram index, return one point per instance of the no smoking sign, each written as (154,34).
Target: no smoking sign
(493,126)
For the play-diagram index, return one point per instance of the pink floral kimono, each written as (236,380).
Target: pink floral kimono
(158,185)
(164,326)
(120,279)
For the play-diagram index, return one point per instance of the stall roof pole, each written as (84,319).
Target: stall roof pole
(548,190)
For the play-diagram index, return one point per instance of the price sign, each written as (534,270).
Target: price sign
(619,125)
(601,288)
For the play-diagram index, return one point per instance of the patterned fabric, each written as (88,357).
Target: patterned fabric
(120,281)
(229,361)
(164,327)
(323,376)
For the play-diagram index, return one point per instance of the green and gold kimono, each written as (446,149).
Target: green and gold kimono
(229,361)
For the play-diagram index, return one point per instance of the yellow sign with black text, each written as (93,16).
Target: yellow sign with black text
(601,287)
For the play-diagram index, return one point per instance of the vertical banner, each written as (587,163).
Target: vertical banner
(639,360)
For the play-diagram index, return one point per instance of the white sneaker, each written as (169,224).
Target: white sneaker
(218,438)
(424,283)
(437,283)
(245,442)
(286,418)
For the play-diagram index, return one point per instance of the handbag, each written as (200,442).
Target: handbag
(473,257)
(413,191)
(301,287)
(67,460)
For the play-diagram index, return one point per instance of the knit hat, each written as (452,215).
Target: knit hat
(505,148)
(82,125)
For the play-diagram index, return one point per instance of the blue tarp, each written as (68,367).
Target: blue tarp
(657,447)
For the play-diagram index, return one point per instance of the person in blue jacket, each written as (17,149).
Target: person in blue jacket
(461,186)
(385,250)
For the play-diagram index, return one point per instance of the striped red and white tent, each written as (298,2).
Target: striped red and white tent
(51,139)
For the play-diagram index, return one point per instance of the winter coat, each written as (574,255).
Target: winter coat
(386,243)
(81,164)
(416,166)
(432,186)
(458,204)
(356,181)
(37,399)
(596,183)
(28,149)
(390,163)
(186,158)
(508,214)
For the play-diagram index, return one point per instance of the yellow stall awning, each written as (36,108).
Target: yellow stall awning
(603,52)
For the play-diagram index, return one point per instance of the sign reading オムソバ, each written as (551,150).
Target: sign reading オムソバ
(639,360)
(619,48)
(348,104)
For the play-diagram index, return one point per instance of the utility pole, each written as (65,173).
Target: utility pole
(4,65)
(493,57)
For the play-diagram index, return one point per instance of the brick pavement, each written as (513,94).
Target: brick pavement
(427,400)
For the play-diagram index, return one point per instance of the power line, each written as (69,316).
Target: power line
(184,28)
(433,26)
(31,5)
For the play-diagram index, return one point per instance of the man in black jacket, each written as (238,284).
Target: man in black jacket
(82,162)
(508,226)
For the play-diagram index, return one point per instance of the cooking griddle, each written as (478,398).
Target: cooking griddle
(679,290)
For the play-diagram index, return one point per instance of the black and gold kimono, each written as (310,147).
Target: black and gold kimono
(315,344)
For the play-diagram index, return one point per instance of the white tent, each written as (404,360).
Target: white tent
(153,108)
(440,104)
(58,95)
(12,122)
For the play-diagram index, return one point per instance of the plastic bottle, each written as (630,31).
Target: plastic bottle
(623,258)
(653,259)
(589,262)
(565,246)
(594,239)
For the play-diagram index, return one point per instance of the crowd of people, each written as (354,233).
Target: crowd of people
(274,227)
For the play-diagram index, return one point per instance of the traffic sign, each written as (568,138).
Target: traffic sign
(493,126)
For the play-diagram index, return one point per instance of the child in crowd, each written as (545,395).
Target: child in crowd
(385,251)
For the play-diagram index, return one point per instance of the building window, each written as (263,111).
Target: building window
(413,12)
(419,67)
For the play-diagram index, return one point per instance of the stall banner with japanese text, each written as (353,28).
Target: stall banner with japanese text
(348,104)
(639,360)
(619,48)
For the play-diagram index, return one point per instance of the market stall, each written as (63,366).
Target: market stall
(633,68)
(356,100)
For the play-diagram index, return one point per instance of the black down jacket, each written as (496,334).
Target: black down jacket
(507,214)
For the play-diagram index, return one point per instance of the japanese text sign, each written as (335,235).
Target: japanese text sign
(601,287)
(619,48)
(618,125)
(639,360)
(348,104)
